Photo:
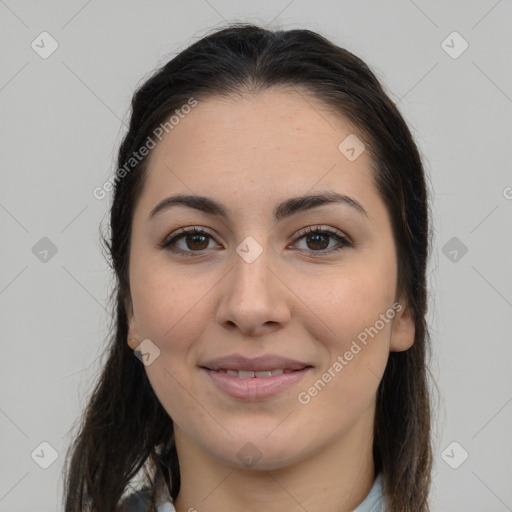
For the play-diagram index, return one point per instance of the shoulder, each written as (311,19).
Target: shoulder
(140,501)
(137,502)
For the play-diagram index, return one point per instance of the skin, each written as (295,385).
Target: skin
(250,153)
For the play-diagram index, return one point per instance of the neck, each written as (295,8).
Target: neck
(336,478)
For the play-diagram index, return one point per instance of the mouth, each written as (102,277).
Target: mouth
(254,386)
(252,374)
(254,379)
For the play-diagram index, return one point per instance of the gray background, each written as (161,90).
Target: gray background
(62,118)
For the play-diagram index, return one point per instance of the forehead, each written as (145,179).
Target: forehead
(271,143)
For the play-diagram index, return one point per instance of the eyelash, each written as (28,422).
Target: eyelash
(182,232)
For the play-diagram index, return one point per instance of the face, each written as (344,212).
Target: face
(271,324)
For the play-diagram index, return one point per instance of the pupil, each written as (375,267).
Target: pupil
(192,239)
(317,240)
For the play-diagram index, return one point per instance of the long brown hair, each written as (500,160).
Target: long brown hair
(124,429)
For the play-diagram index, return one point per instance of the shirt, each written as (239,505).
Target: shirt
(372,503)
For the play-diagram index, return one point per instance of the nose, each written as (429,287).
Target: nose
(254,299)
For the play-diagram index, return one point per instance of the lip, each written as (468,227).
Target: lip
(256,364)
(254,389)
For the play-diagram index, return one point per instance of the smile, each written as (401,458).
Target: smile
(253,386)
(248,374)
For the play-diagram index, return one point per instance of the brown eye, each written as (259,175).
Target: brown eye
(187,241)
(196,242)
(317,241)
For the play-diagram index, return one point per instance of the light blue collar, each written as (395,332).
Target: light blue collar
(372,503)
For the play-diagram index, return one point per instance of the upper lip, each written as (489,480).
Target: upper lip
(256,364)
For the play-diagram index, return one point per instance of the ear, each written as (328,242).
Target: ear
(133,334)
(403,330)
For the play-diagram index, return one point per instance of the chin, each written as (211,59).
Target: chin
(257,452)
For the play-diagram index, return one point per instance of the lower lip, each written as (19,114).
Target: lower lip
(255,388)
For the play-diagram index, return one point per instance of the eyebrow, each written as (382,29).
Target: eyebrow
(285,209)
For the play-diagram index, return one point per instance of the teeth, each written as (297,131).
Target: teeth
(263,374)
(243,374)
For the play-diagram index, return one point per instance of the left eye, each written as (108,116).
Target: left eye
(319,240)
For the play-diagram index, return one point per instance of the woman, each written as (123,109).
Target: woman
(269,236)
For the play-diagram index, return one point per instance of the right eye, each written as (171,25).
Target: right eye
(192,240)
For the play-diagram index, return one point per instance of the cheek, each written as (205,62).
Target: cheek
(171,312)
(167,305)
(357,340)
(350,301)
(356,309)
